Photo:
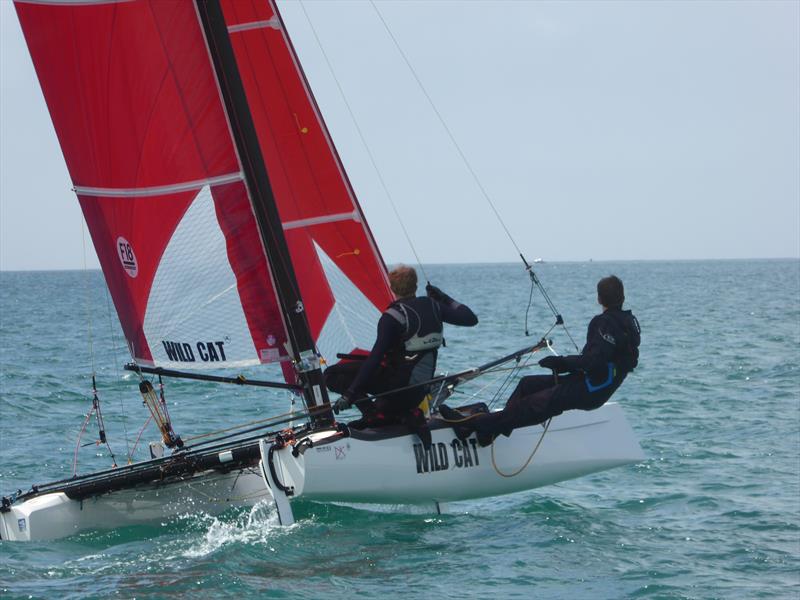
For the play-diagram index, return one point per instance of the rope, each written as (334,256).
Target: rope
(364,142)
(502,389)
(88,288)
(138,437)
(446,128)
(503,386)
(78,444)
(273,420)
(468,165)
(290,416)
(116,371)
(100,424)
(240,426)
(559,319)
(95,398)
(528,308)
(163,401)
(530,458)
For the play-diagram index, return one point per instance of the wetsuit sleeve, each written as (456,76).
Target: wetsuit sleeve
(457,314)
(389,332)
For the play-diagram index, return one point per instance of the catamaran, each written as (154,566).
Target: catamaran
(230,237)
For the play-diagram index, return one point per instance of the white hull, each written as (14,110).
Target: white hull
(52,516)
(391,471)
(399,471)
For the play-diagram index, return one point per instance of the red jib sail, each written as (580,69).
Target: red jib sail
(337,263)
(134,100)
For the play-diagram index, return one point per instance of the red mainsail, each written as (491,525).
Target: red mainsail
(134,99)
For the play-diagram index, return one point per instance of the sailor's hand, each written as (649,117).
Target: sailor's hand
(556,363)
(342,403)
(434,293)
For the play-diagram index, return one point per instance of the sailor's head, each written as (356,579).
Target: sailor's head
(403,281)
(610,292)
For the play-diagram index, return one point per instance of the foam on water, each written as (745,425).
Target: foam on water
(259,526)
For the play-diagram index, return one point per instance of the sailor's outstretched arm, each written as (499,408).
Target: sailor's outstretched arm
(452,311)
(458,314)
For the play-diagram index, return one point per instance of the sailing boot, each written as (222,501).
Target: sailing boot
(461,427)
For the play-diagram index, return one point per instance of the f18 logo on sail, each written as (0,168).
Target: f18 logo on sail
(127,257)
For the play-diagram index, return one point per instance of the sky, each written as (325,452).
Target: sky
(599,130)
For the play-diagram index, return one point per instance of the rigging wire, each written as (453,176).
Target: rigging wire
(456,379)
(468,165)
(78,443)
(95,398)
(88,288)
(446,128)
(502,390)
(364,143)
(121,397)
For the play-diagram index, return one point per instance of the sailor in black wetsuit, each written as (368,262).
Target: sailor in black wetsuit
(585,381)
(405,352)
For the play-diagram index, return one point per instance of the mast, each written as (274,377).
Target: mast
(265,209)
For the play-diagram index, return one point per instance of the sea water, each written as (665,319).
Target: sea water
(712,512)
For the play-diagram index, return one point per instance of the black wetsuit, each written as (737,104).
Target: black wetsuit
(589,379)
(405,352)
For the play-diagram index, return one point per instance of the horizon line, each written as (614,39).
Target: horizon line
(487,263)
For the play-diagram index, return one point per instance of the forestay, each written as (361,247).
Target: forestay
(135,103)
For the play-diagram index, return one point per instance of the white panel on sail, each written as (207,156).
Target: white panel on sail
(194,316)
(353,319)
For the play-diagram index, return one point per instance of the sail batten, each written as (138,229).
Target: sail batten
(272,23)
(333,218)
(157,190)
(72,2)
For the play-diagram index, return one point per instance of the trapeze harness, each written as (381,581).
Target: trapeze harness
(422,336)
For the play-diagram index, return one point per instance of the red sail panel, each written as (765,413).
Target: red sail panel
(134,101)
(340,271)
